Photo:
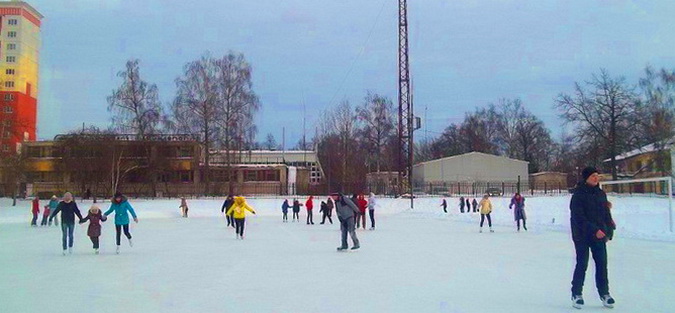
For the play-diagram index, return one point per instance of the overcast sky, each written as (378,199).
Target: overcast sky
(464,53)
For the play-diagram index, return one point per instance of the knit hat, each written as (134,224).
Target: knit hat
(587,172)
(118,195)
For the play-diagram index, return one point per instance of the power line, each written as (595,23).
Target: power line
(363,48)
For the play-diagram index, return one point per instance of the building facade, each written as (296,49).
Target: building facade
(19,74)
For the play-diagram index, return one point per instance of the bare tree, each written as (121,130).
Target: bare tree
(270,143)
(605,112)
(135,104)
(376,117)
(237,103)
(657,123)
(196,108)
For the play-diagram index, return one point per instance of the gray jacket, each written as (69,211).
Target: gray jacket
(347,210)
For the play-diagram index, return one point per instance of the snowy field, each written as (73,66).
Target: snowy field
(416,261)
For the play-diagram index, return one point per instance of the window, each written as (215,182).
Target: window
(11,46)
(11,34)
(8,109)
(9,97)
(13,22)
(8,134)
(5,148)
(186,177)
(9,71)
(11,59)
(7,123)
(9,84)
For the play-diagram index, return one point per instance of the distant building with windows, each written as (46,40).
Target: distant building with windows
(159,165)
(19,68)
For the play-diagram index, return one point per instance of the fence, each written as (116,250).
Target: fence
(278,189)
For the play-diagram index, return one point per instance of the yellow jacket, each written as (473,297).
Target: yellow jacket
(239,208)
(485,206)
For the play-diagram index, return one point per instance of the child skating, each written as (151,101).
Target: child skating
(183,207)
(95,217)
(485,210)
(238,212)
(284,210)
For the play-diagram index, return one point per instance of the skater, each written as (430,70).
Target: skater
(444,205)
(183,207)
(363,205)
(371,210)
(485,210)
(53,203)
(238,212)
(309,205)
(284,209)
(355,200)
(45,215)
(461,204)
(229,201)
(518,204)
(36,211)
(94,231)
(328,212)
(68,209)
(346,210)
(122,208)
(475,205)
(592,226)
(296,210)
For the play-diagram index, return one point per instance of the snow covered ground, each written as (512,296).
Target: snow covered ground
(416,261)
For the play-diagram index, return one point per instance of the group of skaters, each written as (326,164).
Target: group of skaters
(485,208)
(69,209)
(326,209)
(591,223)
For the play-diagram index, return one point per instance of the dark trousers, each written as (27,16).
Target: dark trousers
(45,218)
(482,219)
(285,216)
(34,221)
(230,220)
(461,209)
(361,220)
(67,230)
(296,215)
(599,250)
(118,230)
(310,217)
(518,224)
(325,215)
(372,218)
(239,226)
(186,211)
(94,240)
(475,208)
(347,226)
(445,209)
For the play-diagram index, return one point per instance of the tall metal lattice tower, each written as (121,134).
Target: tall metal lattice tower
(405,105)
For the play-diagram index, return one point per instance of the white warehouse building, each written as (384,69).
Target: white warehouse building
(473,167)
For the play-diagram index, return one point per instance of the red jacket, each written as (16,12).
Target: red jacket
(309,204)
(46,211)
(363,205)
(36,206)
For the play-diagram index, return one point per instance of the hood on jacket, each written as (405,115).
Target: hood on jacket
(94,209)
(239,200)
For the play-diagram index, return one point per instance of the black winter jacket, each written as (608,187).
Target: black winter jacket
(589,212)
(68,211)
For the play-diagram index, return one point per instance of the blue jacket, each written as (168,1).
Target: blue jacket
(53,204)
(121,211)
(285,206)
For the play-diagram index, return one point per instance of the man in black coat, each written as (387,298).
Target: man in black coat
(592,226)
(226,206)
